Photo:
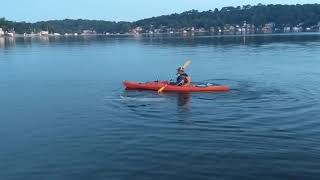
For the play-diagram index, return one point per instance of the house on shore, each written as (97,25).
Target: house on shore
(229,29)
(11,33)
(297,29)
(1,32)
(212,29)
(137,30)
(44,33)
(89,32)
(287,29)
(268,28)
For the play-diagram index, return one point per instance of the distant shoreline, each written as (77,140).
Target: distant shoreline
(166,34)
(234,21)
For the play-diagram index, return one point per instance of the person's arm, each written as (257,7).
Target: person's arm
(180,81)
(188,81)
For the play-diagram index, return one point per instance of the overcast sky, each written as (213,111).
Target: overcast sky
(116,10)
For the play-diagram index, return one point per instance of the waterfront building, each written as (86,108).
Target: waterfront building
(268,28)
(200,30)
(212,29)
(89,32)
(157,31)
(137,30)
(1,32)
(44,33)
(297,29)
(229,29)
(11,33)
(250,29)
(287,29)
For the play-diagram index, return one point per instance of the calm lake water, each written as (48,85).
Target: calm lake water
(65,115)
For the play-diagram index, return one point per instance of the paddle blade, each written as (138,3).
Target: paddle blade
(186,64)
(161,89)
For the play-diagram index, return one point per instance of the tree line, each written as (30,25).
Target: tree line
(282,15)
(305,15)
(66,26)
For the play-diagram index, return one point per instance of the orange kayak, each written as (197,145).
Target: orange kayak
(156,85)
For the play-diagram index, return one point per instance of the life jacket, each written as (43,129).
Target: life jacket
(183,79)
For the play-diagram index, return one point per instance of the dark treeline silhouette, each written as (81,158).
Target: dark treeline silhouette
(66,26)
(282,15)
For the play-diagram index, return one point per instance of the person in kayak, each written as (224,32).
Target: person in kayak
(183,79)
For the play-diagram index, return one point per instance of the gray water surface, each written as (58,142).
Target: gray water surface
(65,115)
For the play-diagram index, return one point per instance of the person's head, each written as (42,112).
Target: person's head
(180,70)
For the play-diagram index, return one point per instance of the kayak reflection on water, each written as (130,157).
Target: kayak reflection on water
(184,107)
(184,99)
